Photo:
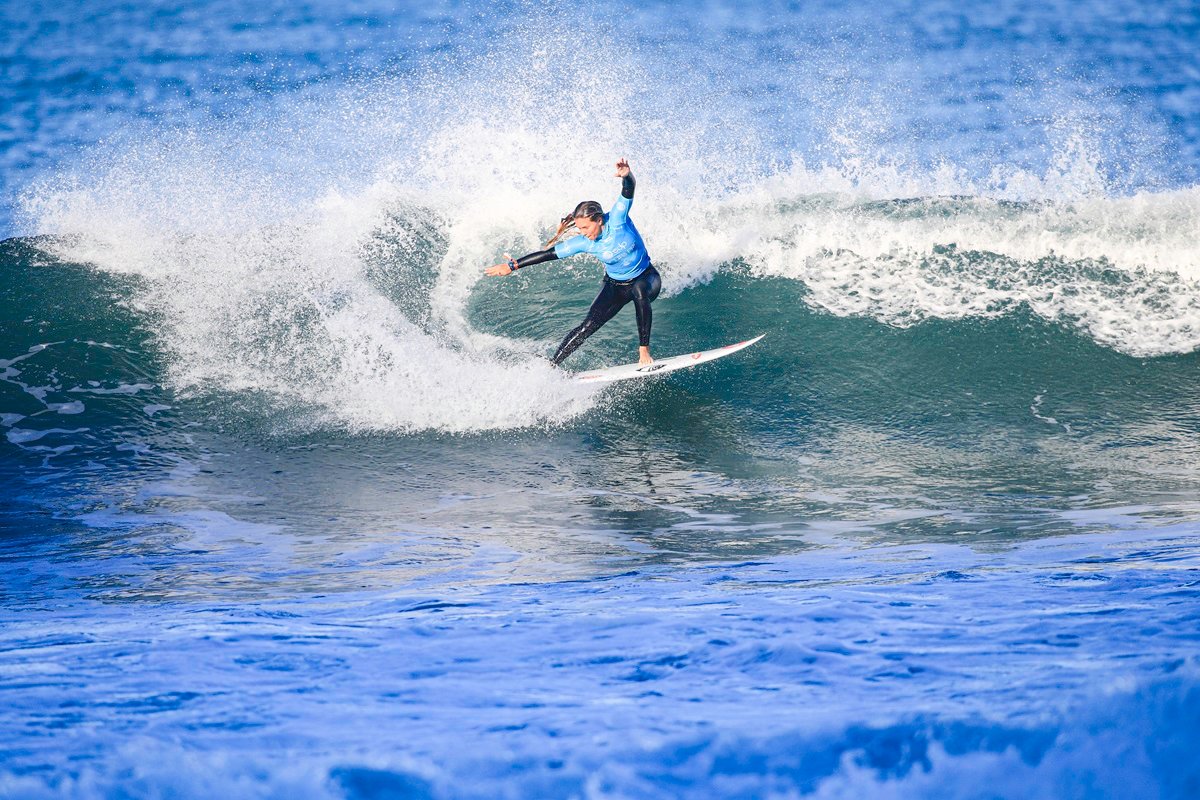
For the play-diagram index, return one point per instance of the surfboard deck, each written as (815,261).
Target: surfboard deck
(662,366)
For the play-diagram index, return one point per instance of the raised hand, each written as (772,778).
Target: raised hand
(622,168)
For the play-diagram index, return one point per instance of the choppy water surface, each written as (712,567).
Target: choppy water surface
(293,506)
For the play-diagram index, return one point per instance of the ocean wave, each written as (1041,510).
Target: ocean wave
(1120,270)
(329,253)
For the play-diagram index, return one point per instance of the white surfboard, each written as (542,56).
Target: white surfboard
(662,365)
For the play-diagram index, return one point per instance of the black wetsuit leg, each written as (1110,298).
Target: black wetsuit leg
(644,289)
(606,304)
(612,298)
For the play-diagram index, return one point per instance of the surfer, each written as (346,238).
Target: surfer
(628,274)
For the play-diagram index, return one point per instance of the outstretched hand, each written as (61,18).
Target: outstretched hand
(500,269)
(622,168)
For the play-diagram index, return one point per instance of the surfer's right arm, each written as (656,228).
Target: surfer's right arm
(514,264)
(570,247)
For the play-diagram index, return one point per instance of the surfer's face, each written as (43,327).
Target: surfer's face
(589,227)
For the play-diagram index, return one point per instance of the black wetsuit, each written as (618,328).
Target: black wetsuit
(612,298)
(614,294)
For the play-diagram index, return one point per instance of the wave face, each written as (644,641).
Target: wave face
(282,472)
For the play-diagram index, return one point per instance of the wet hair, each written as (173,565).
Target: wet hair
(588,208)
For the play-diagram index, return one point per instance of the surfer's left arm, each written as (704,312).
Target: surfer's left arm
(627,181)
(619,213)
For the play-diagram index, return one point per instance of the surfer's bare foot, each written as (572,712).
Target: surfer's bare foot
(644,357)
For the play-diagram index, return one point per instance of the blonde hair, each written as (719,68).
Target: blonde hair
(588,208)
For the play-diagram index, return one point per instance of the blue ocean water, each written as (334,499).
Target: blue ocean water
(292,506)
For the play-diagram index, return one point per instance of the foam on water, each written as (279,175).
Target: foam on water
(836,674)
(1087,754)
(288,307)
(324,253)
(1122,270)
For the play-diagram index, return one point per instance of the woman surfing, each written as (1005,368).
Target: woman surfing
(628,274)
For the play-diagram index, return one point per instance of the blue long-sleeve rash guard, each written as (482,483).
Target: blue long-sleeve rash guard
(619,247)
